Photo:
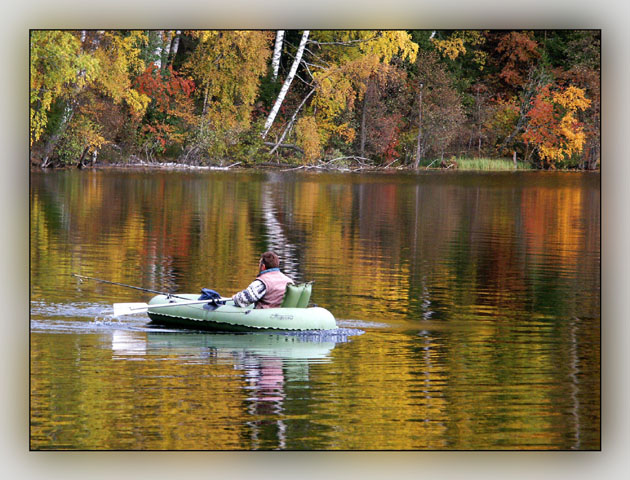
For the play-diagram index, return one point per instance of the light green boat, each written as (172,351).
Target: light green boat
(293,314)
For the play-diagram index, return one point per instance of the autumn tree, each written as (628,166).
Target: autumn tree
(60,70)
(380,117)
(377,96)
(337,68)
(581,52)
(553,128)
(227,67)
(438,108)
(76,77)
(170,113)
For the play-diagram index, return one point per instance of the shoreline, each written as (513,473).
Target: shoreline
(340,164)
(285,167)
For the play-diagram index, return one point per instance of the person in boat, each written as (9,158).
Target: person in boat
(267,290)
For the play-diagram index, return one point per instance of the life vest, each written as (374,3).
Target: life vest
(276,283)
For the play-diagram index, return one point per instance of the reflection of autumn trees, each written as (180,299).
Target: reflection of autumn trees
(490,269)
(130,409)
(365,240)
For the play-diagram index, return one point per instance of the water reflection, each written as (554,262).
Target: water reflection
(268,363)
(481,294)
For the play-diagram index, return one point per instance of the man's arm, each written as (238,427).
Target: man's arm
(251,294)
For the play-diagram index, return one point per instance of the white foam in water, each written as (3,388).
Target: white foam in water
(78,316)
(361,324)
(76,309)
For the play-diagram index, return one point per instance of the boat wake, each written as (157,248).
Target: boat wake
(360,324)
(78,316)
(338,335)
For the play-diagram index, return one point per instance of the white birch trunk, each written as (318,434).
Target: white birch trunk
(275,61)
(158,49)
(174,47)
(286,84)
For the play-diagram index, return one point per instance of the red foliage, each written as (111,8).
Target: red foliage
(164,87)
(518,50)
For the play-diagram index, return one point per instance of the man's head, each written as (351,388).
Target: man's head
(269,260)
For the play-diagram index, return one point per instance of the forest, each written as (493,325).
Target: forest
(376,98)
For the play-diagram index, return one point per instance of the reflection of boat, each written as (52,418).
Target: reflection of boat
(231,318)
(257,344)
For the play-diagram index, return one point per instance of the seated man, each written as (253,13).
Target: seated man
(268,289)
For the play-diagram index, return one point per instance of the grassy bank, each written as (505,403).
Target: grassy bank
(484,164)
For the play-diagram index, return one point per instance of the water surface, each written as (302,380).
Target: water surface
(468,307)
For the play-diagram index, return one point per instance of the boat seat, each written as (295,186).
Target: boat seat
(297,296)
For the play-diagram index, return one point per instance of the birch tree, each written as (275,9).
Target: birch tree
(286,84)
(75,78)
(157,53)
(275,61)
(174,47)
(78,74)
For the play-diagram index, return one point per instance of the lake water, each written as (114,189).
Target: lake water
(468,307)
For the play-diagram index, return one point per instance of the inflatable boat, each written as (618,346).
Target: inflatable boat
(224,316)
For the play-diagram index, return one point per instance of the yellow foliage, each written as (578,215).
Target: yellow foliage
(308,138)
(387,44)
(62,68)
(352,57)
(566,137)
(572,98)
(450,47)
(341,46)
(120,60)
(138,102)
(227,66)
(58,68)
(455,45)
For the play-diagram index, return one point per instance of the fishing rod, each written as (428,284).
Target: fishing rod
(81,277)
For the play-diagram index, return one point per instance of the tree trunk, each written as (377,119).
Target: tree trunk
(68,112)
(478,123)
(167,48)
(205,99)
(419,145)
(514,160)
(363,118)
(81,160)
(286,84)
(275,61)
(291,122)
(174,47)
(157,53)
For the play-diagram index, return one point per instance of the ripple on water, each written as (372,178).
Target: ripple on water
(76,317)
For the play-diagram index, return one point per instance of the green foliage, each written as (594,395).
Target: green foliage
(81,134)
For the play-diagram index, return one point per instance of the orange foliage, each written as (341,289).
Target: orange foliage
(518,50)
(553,128)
